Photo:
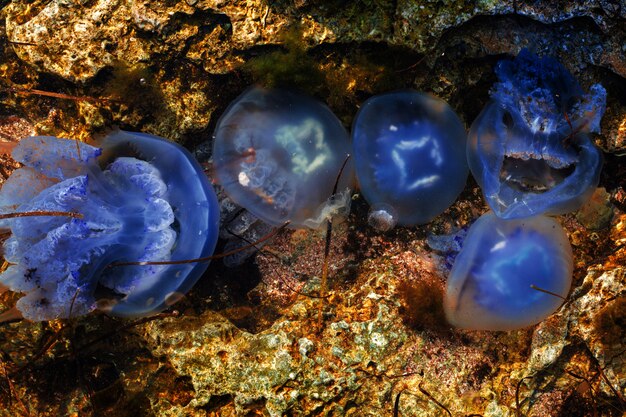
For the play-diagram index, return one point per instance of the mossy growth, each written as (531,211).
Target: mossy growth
(341,75)
(610,323)
(597,212)
(134,86)
(422,304)
(291,66)
(353,78)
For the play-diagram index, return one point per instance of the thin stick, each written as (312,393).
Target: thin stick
(9,383)
(534,287)
(206,258)
(324,283)
(518,411)
(12,389)
(329,233)
(571,128)
(69,314)
(617,394)
(47,346)
(42,214)
(22,43)
(30,92)
(78,149)
(75,352)
(413,65)
(590,386)
(383,375)
(396,404)
(264,252)
(433,399)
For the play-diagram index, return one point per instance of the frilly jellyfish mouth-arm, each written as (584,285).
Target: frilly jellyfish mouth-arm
(278,154)
(409,151)
(144,199)
(529,149)
(501,278)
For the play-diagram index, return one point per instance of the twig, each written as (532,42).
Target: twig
(47,346)
(12,389)
(42,214)
(590,386)
(35,92)
(329,233)
(206,258)
(518,412)
(534,287)
(433,399)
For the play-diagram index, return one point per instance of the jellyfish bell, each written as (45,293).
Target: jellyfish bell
(278,153)
(509,274)
(196,221)
(530,149)
(142,199)
(409,151)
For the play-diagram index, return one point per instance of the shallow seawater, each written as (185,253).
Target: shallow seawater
(266,337)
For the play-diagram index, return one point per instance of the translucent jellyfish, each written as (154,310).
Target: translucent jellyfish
(143,199)
(529,149)
(278,154)
(489,287)
(409,151)
(239,228)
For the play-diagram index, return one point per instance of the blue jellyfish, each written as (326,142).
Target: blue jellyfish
(409,151)
(138,198)
(529,149)
(278,154)
(501,278)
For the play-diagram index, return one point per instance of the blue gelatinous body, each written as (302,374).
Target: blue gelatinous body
(410,158)
(529,149)
(143,199)
(278,154)
(489,287)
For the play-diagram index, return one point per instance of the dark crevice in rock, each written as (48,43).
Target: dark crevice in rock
(217,402)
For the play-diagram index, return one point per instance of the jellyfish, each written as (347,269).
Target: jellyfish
(509,274)
(278,154)
(409,151)
(529,149)
(137,198)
